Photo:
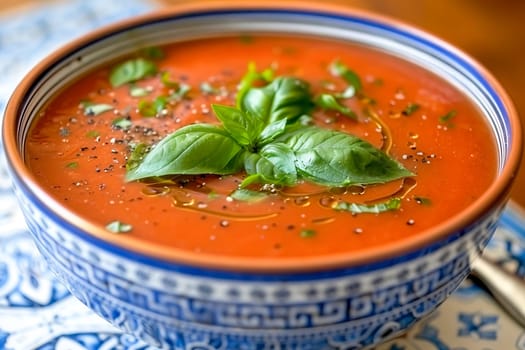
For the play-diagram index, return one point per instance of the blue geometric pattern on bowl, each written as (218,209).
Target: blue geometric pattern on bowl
(361,302)
(184,308)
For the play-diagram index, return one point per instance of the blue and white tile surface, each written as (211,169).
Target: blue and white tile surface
(37,312)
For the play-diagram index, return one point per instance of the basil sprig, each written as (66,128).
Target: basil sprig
(263,135)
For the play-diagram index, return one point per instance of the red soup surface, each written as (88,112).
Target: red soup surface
(85,139)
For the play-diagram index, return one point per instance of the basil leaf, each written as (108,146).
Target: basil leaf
(341,70)
(249,79)
(335,158)
(271,131)
(131,71)
(356,208)
(193,149)
(273,164)
(246,195)
(245,129)
(284,98)
(329,102)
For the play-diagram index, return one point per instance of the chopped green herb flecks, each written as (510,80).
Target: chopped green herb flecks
(152,108)
(93,134)
(72,165)
(168,82)
(137,91)
(349,92)
(92,110)
(307,233)
(122,123)
(329,102)
(118,227)
(207,88)
(355,208)
(410,109)
(180,92)
(246,195)
(339,69)
(447,118)
(131,71)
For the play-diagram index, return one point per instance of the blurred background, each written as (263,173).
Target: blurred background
(490,31)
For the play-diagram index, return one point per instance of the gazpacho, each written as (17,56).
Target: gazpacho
(263,146)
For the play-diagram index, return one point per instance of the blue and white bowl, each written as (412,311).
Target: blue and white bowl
(176,300)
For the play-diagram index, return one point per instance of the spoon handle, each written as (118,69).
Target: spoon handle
(508,289)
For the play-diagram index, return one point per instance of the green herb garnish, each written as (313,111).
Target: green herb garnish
(137,91)
(180,92)
(92,110)
(122,123)
(410,108)
(349,92)
(307,233)
(118,227)
(246,195)
(329,102)
(72,165)
(446,118)
(138,151)
(93,134)
(250,78)
(152,108)
(339,69)
(264,138)
(356,208)
(168,82)
(131,71)
(207,88)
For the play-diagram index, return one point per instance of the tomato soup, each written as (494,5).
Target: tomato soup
(234,183)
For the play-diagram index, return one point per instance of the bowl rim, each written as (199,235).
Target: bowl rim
(495,196)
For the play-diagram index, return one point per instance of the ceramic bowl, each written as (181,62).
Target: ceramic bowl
(176,300)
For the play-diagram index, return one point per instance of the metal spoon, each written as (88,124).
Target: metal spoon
(507,288)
